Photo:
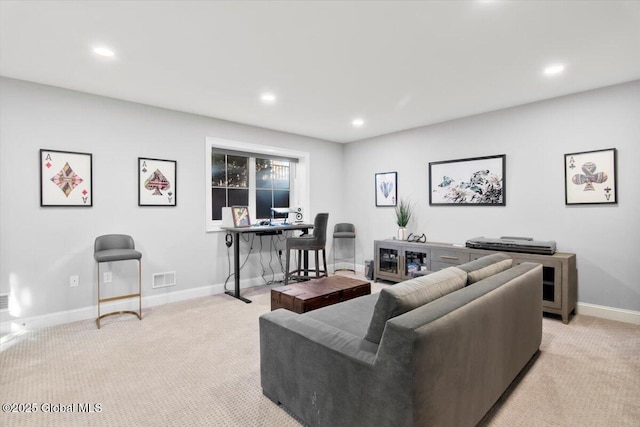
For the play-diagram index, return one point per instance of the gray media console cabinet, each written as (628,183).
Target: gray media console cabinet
(395,260)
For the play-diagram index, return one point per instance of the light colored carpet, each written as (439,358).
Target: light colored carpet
(197,363)
(586,374)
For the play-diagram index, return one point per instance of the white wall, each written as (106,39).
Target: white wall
(41,247)
(535,138)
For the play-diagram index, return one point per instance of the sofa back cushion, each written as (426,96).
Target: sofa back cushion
(410,294)
(486,266)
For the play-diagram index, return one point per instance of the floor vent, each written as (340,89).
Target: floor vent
(161,280)
(4,302)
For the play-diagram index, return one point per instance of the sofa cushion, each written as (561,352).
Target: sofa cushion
(486,266)
(407,295)
(352,316)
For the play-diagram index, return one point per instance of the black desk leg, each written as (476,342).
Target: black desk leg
(236,269)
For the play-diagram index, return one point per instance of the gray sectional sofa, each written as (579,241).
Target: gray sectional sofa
(437,350)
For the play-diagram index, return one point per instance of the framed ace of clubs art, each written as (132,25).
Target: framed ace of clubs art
(66,179)
(157,182)
(590,177)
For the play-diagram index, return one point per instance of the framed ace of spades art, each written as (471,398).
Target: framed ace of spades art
(66,179)
(157,182)
(590,177)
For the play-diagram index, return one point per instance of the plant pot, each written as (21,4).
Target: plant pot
(402,233)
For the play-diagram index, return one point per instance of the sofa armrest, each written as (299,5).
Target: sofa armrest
(323,374)
(332,339)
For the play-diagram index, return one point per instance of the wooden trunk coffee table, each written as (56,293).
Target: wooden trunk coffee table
(317,293)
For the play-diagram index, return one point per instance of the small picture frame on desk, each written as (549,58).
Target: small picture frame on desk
(240,216)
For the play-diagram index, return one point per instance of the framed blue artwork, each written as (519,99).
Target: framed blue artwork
(386,188)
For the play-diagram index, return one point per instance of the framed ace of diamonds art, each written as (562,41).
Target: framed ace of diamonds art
(66,179)
(157,182)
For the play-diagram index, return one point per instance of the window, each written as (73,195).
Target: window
(272,186)
(229,182)
(257,176)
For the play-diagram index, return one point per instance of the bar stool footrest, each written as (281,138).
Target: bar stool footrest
(138,315)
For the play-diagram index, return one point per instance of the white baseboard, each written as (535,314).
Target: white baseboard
(15,325)
(610,313)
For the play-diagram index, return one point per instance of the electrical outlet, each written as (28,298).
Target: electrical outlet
(107,277)
(74,281)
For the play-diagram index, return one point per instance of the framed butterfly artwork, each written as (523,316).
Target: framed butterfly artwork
(477,181)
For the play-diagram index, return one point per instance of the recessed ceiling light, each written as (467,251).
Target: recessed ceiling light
(103,51)
(553,70)
(357,123)
(268,98)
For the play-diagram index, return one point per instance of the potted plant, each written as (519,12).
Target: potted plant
(404,210)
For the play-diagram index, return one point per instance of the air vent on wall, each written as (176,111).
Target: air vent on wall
(161,280)
(4,302)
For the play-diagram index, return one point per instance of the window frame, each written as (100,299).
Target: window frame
(299,174)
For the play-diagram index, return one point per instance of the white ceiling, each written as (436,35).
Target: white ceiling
(397,65)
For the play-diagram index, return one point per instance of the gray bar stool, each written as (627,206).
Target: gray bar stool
(117,247)
(344,231)
(308,242)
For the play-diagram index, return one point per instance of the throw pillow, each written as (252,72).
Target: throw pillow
(486,266)
(411,294)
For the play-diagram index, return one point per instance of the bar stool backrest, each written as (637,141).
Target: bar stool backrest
(113,241)
(345,230)
(320,229)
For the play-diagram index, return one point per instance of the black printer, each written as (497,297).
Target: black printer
(513,244)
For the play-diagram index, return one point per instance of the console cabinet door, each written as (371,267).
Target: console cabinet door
(551,280)
(395,260)
(388,261)
(414,258)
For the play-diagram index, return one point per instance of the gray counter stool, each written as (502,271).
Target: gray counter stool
(117,247)
(308,242)
(341,231)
